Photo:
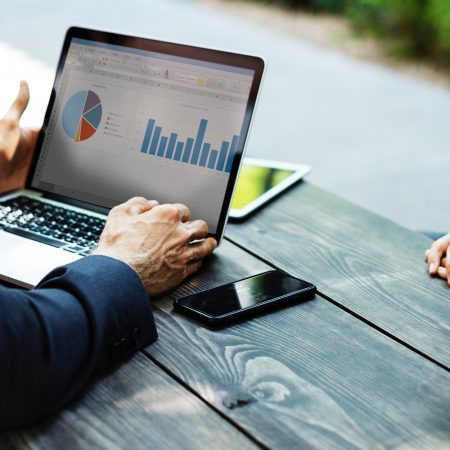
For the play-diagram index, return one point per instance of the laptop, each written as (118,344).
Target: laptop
(127,116)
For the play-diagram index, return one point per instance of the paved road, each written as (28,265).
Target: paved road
(373,136)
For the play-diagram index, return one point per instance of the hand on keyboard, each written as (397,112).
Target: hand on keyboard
(155,240)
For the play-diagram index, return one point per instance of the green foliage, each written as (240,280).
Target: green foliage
(438,19)
(327,5)
(418,27)
(414,27)
(399,20)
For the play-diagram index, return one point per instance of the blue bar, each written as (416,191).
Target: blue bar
(171,147)
(148,133)
(212,159)
(234,142)
(162,146)
(155,140)
(222,155)
(187,150)
(178,151)
(205,153)
(199,140)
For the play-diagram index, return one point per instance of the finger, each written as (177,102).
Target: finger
(142,207)
(426,254)
(134,206)
(198,229)
(442,272)
(201,250)
(443,262)
(436,252)
(20,103)
(193,267)
(185,212)
(447,264)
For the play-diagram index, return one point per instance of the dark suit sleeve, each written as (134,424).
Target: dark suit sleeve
(79,320)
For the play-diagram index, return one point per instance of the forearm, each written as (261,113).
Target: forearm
(79,320)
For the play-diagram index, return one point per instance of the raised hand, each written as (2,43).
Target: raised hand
(16,144)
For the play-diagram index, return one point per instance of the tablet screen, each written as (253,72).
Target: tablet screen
(254,181)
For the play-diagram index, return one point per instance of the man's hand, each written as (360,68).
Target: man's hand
(438,258)
(155,241)
(16,144)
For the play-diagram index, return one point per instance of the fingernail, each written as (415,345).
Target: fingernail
(432,268)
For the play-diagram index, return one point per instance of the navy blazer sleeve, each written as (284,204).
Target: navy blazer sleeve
(79,320)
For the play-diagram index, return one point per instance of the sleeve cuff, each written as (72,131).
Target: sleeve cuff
(116,303)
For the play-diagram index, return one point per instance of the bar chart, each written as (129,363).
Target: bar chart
(192,150)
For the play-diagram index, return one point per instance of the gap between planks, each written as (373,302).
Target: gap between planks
(350,312)
(204,401)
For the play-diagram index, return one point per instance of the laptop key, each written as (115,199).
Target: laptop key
(49,221)
(76,249)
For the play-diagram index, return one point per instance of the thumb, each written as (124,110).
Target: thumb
(20,103)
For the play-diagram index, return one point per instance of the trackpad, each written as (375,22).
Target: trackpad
(25,262)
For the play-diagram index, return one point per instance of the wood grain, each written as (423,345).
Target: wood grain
(365,262)
(308,376)
(136,407)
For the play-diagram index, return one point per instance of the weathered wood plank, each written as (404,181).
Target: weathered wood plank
(367,263)
(309,376)
(137,407)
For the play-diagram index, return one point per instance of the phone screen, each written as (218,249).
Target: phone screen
(256,180)
(245,293)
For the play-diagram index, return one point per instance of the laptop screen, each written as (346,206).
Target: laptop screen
(129,122)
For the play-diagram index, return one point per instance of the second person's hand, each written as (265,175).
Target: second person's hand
(438,258)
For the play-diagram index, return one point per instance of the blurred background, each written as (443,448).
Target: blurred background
(359,89)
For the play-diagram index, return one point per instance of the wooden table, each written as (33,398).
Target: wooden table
(363,365)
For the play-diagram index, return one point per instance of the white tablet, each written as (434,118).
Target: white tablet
(261,180)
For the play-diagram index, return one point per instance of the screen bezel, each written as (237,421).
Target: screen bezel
(298,172)
(181,302)
(254,63)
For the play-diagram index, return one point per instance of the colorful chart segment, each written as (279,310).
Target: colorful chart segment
(194,151)
(82,115)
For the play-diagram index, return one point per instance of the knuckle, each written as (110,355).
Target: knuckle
(183,209)
(203,226)
(194,254)
(114,210)
(185,234)
(137,199)
(172,212)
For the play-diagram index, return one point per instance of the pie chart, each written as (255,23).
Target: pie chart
(81,115)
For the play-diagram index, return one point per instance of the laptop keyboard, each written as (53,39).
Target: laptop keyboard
(70,230)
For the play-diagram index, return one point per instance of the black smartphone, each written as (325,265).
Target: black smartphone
(245,298)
